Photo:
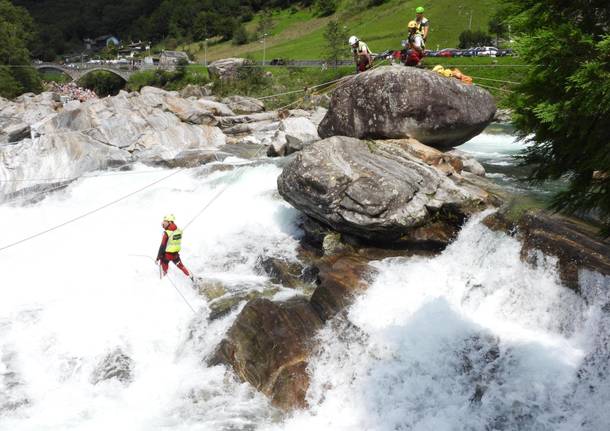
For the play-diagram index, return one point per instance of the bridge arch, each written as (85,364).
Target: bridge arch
(57,67)
(123,74)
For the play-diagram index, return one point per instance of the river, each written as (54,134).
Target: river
(472,339)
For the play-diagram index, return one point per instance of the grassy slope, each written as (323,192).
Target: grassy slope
(300,35)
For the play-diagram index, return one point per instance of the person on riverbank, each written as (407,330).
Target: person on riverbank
(415,45)
(362,54)
(169,250)
(423,24)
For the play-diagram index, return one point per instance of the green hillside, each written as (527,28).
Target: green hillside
(298,34)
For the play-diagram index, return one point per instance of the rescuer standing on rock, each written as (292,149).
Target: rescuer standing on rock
(415,45)
(362,54)
(170,246)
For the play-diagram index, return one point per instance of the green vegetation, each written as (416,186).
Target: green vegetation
(300,34)
(262,82)
(170,80)
(16,36)
(563,102)
(470,39)
(335,37)
(497,75)
(102,82)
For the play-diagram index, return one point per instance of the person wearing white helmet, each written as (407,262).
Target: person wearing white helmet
(171,243)
(362,54)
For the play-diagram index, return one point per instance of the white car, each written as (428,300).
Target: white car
(487,51)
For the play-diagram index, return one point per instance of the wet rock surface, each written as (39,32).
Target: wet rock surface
(268,345)
(401,102)
(116,365)
(576,245)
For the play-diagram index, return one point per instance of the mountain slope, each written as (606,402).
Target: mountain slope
(298,34)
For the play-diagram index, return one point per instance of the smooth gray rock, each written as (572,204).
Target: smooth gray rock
(226,68)
(373,190)
(17,132)
(399,102)
(244,105)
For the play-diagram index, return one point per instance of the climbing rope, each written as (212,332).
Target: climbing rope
(88,213)
(495,88)
(496,80)
(170,280)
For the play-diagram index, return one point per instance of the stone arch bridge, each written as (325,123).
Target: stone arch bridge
(79,70)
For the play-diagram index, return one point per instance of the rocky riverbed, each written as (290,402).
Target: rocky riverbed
(363,192)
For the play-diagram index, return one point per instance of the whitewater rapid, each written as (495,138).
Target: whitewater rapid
(472,339)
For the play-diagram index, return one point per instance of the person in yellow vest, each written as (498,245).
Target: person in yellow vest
(423,24)
(170,246)
(362,54)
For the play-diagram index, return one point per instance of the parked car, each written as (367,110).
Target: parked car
(277,62)
(447,52)
(487,51)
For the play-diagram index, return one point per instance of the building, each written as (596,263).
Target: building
(101,42)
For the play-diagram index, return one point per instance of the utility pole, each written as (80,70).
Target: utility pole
(264,47)
(470,21)
(205,52)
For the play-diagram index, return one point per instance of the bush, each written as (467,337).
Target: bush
(102,82)
(470,39)
(326,7)
(240,35)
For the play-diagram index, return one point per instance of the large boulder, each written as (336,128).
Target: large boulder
(399,102)
(269,346)
(377,191)
(226,68)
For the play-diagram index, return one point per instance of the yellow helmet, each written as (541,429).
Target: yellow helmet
(169,217)
(412,24)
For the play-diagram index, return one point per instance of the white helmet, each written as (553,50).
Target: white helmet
(353,40)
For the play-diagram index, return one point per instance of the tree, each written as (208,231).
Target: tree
(240,35)
(469,39)
(265,24)
(16,34)
(497,26)
(335,37)
(326,7)
(562,105)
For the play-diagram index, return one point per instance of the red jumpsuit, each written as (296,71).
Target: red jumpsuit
(164,258)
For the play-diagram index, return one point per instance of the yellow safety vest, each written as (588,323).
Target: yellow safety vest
(174,240)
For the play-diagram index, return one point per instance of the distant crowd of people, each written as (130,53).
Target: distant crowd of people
(71,91)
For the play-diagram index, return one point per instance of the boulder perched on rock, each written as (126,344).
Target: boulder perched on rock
(226,68)
(268,346)
(399,102)
(374,190)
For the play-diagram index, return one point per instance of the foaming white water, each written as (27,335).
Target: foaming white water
(493,145)
(473,339)
(72,296)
